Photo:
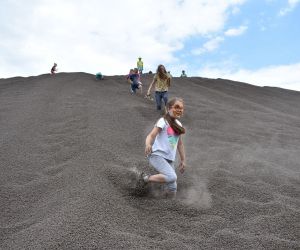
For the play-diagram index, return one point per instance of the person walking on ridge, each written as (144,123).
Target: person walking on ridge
(54,69)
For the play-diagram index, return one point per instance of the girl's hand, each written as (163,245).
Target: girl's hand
(182,167)
(148,149)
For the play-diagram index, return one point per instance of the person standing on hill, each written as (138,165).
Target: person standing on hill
(161,146)
(140,65)
(54,69)
(162,82)
(183,74)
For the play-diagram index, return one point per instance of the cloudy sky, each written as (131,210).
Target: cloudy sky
(254,41)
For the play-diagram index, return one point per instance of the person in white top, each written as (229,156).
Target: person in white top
(161,147)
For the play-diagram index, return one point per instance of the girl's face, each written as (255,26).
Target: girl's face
(162,69)
(176,111)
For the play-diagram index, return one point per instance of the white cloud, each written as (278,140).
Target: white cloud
(209,46)
(215,42)
(236,31)
(105,36)
(283,76)
(235,10)
(291,6)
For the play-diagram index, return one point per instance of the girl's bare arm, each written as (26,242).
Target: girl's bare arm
(150,139)
(150,87)
(181,152)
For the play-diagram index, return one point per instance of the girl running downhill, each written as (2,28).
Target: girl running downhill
(162,81)
(161,147)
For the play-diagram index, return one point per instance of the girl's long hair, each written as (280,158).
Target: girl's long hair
(161,72)
(172,121)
